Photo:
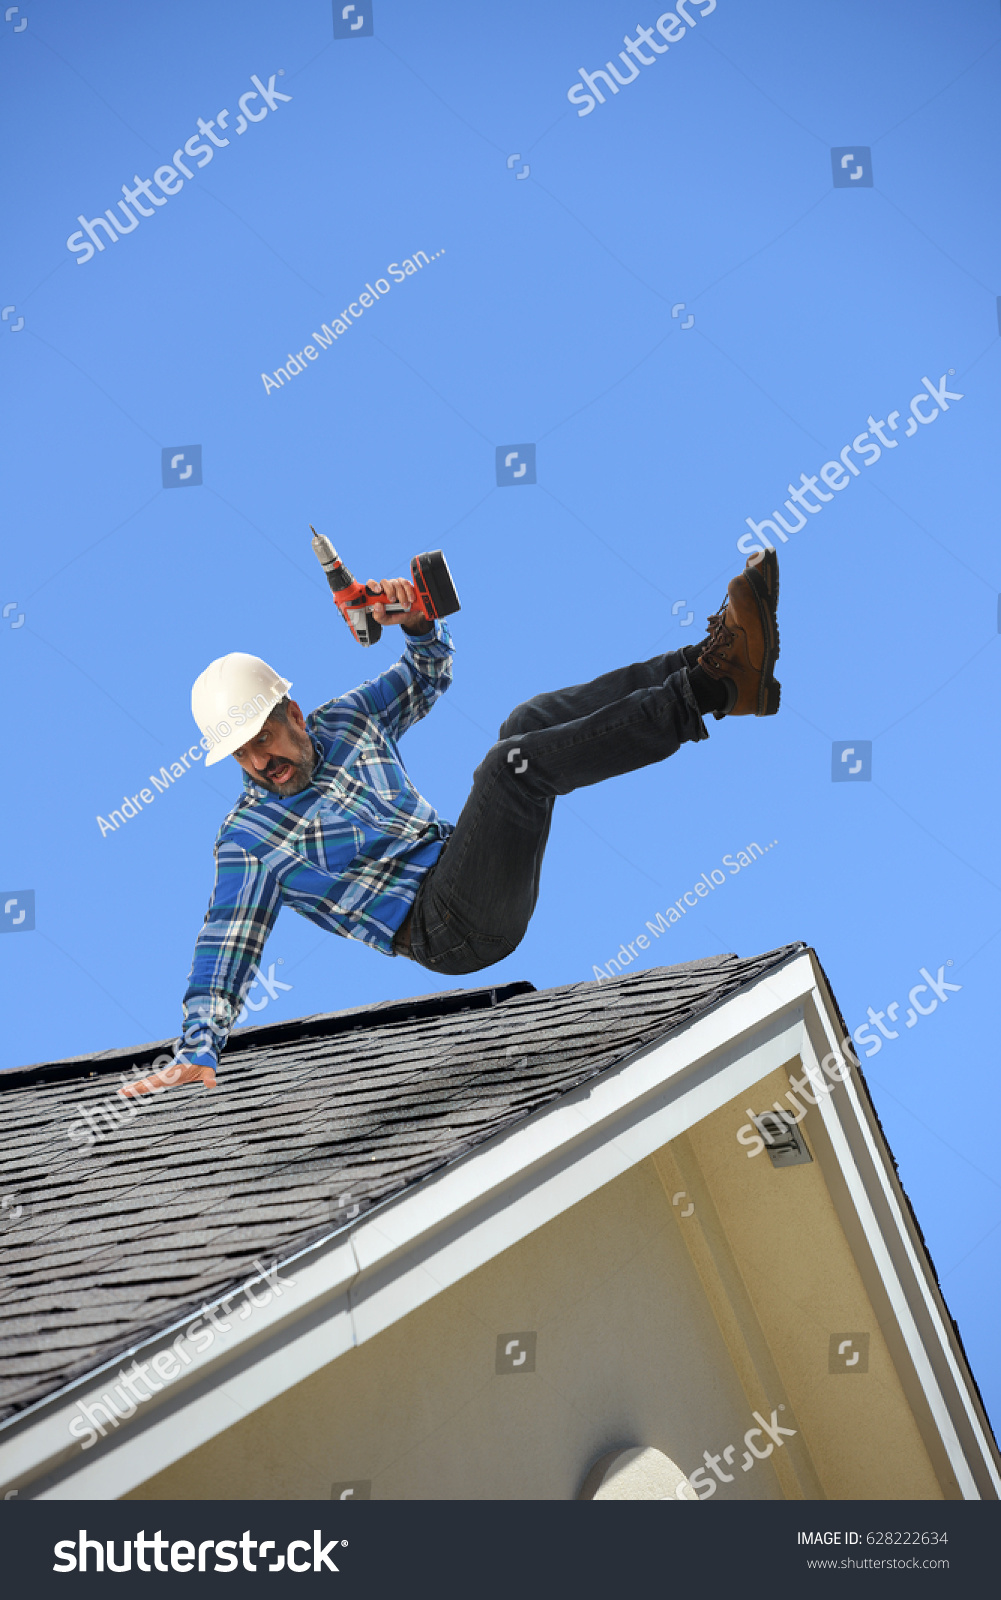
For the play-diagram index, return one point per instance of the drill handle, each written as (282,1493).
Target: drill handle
(363,625)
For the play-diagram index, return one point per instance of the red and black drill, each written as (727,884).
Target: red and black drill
(355,601)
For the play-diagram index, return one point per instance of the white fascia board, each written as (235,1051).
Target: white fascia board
(899,1258)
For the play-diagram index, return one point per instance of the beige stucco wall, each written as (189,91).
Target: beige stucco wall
(654,1328)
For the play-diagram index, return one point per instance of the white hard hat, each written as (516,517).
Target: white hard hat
(231,701)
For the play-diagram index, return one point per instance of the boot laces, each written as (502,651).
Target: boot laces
(720,639)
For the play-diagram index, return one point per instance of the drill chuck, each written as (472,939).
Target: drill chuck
(338,575)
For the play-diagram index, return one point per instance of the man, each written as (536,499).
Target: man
(330,824)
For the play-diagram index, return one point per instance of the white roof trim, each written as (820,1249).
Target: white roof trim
(348,1289)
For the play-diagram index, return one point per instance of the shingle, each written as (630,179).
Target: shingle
(129,1234)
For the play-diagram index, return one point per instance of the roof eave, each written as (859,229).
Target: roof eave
(354,1283)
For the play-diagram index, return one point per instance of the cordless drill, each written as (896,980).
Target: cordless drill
(431,578)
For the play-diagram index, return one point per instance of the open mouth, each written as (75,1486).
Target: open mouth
(281,774)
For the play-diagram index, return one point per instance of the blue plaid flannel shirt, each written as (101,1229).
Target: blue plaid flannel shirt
(348,852)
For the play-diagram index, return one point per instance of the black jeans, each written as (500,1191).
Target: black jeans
(475,903)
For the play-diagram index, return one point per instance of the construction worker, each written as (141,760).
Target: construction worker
(330,824)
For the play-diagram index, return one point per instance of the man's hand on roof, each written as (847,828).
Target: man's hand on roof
(177,1072)
(399,592)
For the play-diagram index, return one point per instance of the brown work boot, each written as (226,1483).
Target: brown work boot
(168,1077)
(743,643)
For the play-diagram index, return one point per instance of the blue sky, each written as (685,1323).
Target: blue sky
(544,315)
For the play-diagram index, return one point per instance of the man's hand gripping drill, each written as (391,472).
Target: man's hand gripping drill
(414,604)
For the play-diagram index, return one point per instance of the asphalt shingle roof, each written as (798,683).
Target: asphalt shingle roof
(119,1237)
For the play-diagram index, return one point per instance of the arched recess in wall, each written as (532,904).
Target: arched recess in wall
(636,1472)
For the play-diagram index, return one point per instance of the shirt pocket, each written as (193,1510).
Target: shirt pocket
(380,771)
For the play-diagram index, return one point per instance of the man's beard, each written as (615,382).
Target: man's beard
(299,778)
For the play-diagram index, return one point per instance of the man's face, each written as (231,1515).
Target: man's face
(281,757)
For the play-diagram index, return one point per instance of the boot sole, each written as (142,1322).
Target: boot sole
(763,578)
